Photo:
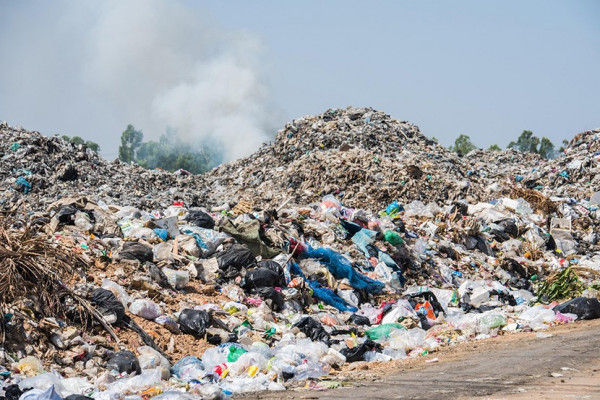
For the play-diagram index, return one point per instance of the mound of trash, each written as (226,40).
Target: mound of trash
(360,154)
(352,238)
(37,170)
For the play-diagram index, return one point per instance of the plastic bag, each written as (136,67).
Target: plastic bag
(124,361)
(29,366)
(312,329)
(189,368)
(206,239)
(145,308)
(187,244)
(583,307)
(359,320)
(177,278)
(163,252)
(330,202)
(136,251)
(234,259)
(392,238)
(357,353)
(168,323)
(150,358)
(492,320)
(382,331)
(118,290)
(194,322)
(538,317)
(263,277)
(340,267)
(200,218)
(407,339)
(108,305)
(38,394)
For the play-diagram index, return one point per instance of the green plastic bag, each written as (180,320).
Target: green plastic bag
(235,353)
(392,238)
(382,331)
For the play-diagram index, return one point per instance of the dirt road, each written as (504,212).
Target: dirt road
(519,366)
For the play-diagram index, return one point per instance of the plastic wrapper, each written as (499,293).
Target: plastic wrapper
(177,278)
(150,359)
(145,308)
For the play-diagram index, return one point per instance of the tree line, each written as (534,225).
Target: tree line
(169,152)
(527,142)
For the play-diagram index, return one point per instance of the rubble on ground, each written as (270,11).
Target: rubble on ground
(352,238)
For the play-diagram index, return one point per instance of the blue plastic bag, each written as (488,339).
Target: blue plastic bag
(340,267)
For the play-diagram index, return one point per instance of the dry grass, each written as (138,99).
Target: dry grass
(35,267)
(537,200)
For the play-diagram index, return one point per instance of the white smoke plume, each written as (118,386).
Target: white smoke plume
(94,67)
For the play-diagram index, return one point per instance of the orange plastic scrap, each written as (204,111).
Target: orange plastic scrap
(427,309)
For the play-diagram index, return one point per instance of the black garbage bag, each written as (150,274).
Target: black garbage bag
(358,353)
(479,243)
(12,392)
(460,208)
(194,322)
(551,243)
(124,361)
(66,215)
(69,174)
(350,227)
(218,336)
(136,251)
(519,276)
(234,259)
(261,277)
(583,307)
(514,267)
(450,252)
(499,236)
(201,219)
(76,397)
(312,329)
(359,320)
(269,293)
(509,227)
(107,304)
(275,267)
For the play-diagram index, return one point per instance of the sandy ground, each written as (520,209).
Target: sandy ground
(519,366)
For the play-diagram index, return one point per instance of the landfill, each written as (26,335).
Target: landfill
(351,238)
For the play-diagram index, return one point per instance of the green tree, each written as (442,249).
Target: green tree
(131,140)
(171,153)
(93,145)
(526,143)
(462,145)
(494,147)
(546,149)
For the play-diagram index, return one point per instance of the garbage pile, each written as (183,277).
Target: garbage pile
(37,170)
(183,293)
(360,154)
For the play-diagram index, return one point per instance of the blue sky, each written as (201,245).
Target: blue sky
(481,68)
